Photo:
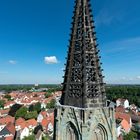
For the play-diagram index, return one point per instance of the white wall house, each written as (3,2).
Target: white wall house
(24,133)
(2,126)
(40,118)
(50,127)
(7,106)
(119,130)
(122,102)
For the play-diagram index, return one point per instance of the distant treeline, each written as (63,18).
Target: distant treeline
(9,88)
(113,92)
(130,92)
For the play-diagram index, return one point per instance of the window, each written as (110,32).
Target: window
(71,132)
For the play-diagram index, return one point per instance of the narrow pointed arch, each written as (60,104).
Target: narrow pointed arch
(100,133)
(71,132)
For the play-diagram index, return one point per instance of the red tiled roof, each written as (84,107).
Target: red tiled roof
(125,123)
(9,138)
(19,121)
(120,109)
(119,115)
(43,113)
(45,122)
(32,122)
(23,123)
(9,103)
(7,119)
(11,128)
(4,111)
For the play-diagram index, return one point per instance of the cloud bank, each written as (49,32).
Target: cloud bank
(50,60)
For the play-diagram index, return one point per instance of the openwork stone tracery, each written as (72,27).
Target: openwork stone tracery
(83,80)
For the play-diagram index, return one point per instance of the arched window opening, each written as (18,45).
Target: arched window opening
(100,133)
(71,132)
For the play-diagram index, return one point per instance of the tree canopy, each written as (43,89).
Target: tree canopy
(2,102)
(21,112)
(14,109)
(51,104)
(31,137)
(31,115)
(7,96)
(132,93)
(132,135)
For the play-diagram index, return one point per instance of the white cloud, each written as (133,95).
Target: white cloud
(50,60)
(13,62)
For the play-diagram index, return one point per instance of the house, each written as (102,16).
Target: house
(4,112)
(48,123)
(8,132)
(43,105)
(24,133)
(125,121)
(134,108)
(119,127)
(50,127)
(120,109)
(58,95)
(9,104)
(20,124)
(50,112)
(5,120)
(31,124)
(42,115)
(39,135)
(122,102)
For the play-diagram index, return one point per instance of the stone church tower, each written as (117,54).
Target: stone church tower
(82,113)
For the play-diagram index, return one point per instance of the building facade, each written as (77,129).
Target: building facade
(82,113)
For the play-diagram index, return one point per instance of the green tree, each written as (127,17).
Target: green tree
(21,112)
(48,94)
(132,135)
(51,104)
(31,108)
(14,109)
(7,96)
(132,93)
(31,137)
(31,115)
(37,107)
(46,137)
(2,102)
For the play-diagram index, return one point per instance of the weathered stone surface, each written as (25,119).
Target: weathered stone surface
(83,80)
(88,123)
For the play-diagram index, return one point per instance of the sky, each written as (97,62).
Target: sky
(34,37)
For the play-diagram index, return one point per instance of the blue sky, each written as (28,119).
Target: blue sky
(34,37)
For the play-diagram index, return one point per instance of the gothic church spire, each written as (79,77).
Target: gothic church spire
(83,81)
